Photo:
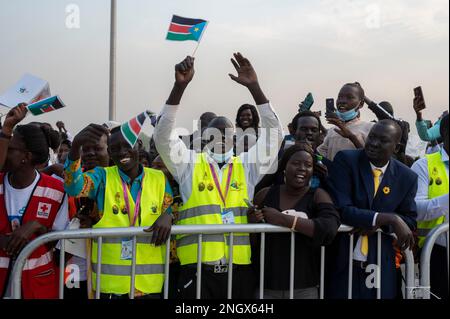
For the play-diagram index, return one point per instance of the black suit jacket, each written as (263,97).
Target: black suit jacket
(351,185)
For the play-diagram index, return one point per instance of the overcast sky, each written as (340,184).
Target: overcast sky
(296,46)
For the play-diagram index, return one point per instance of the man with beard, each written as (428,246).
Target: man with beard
(214,185)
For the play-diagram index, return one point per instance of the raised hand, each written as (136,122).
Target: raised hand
(184,71)
(92,132)
(248,78)
(60,125)
(246,74)
(418,105)
(14,116)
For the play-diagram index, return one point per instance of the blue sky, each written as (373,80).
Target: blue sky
(296,46)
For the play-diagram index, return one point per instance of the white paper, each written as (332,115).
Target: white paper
(76,247)
(28,89)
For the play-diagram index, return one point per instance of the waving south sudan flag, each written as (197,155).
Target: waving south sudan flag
(131,129)
(184,29)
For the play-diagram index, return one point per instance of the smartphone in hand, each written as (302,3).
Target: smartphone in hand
(249,204)
(418,93)
(307,103)
(330,108)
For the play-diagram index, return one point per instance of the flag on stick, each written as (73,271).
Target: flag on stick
(131,129)
(184,29)
(44,106)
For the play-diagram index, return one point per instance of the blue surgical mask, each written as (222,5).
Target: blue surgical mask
(220,158)
(348,116)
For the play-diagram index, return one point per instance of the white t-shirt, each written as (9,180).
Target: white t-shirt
(16,201)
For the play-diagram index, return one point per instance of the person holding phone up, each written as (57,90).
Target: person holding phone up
(351,131)
(425,133)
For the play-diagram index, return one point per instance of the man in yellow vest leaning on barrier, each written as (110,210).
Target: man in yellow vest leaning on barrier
(126,195)
(432,209)
(214,185)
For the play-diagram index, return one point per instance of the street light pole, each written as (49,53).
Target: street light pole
(112,63)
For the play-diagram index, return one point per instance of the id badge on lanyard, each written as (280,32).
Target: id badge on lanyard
(126,251)
(227,215)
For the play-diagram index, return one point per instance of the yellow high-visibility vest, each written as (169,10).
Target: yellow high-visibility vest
(204,207)
(115,275)
(438,186)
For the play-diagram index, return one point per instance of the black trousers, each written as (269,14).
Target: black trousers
(439,272)
(76,293)
(214,285)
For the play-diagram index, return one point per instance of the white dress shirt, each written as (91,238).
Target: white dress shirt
(357,255)
(180,161)
(428,209)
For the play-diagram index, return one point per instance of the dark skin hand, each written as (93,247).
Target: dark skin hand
(61,127)
(161,229)
(418,105)
(321,170)
(21,236)
(92,132)
(184,73)
(13,117)
(255,215)
(405,238)
(4,239)
(343,131)
(57,169)
(247,77)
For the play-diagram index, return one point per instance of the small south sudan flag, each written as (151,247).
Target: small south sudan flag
(45,106)
(131,129)
(184,29)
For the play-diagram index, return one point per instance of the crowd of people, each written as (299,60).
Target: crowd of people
(312,181)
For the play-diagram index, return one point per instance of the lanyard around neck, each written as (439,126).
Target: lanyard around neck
(216,181)
(127,201)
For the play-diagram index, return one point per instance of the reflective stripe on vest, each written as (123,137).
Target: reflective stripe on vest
(124,270)
(210,210)
(4,262)
(34,263)
(115,275)
(204,207)
(193,239)
(438,186)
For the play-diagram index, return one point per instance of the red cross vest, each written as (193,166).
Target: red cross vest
(39,276)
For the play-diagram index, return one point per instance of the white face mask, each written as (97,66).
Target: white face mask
(220,158)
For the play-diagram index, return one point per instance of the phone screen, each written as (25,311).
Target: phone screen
(330,106)
(418,93)
(307,103)
(249,203)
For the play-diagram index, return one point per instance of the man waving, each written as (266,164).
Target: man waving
(214,185)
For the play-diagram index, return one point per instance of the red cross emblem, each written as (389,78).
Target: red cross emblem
(43,210)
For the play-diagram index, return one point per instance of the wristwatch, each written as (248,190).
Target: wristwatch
(3,135)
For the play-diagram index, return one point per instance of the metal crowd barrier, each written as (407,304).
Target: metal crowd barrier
(425,257)
(200,230)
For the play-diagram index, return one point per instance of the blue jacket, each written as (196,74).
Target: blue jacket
(352,188)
